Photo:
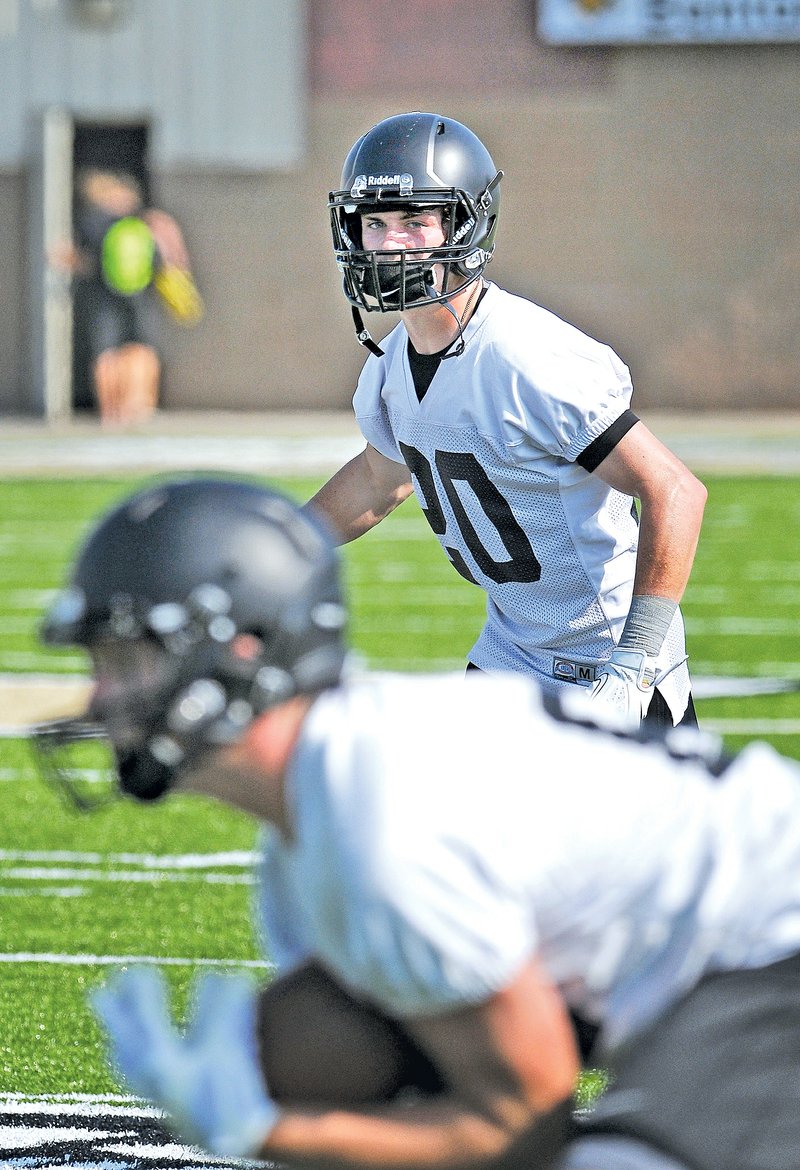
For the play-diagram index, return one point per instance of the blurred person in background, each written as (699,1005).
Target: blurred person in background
(128,262)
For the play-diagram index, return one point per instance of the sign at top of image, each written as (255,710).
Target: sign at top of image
(690,22)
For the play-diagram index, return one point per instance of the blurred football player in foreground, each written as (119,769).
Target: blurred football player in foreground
(656,895)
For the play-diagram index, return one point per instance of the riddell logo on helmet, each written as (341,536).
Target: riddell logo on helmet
(362,182)
(462,231)
(387,180)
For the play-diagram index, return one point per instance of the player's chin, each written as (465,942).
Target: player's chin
(320,1045)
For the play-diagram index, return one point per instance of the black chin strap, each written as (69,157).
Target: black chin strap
(462,321)
(363,336)
(459,343)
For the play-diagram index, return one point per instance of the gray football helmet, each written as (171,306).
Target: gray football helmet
(237,587)
(424,160)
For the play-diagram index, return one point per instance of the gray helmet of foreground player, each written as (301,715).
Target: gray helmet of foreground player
(234,593)
(415,160)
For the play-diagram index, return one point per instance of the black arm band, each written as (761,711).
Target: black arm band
(593,455)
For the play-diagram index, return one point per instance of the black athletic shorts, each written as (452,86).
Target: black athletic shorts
(713,1085)
(105,319)
(659,714)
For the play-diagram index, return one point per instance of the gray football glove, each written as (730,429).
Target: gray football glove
(207,1080)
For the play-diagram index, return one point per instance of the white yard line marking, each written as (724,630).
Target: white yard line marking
(84,1103)
(62,960)
(61,865)
(149,860)
(56,873)
(742,626)
(752,726)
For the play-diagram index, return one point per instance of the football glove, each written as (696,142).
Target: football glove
(624,685)
(207,1080)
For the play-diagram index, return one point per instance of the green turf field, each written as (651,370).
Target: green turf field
(173,883)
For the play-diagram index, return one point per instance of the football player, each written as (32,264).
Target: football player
(514,429)
(662,904)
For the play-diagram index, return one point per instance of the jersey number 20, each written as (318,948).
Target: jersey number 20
(462,467)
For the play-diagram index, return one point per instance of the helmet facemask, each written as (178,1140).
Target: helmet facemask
(75,757)
(390,281)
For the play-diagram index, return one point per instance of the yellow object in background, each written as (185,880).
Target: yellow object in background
(179,293)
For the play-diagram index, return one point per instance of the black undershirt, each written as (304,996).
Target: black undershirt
(424,365)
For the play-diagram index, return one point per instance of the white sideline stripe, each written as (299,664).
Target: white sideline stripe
(151,860)
(76,1105)
(56,1109)
(128,960)
(268,455)
(58,1102)
(25,659)
(8,678)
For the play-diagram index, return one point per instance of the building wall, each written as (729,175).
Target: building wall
(13,317)
(650,196)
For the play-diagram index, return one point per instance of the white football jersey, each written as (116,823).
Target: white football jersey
(492,448)
(445,828)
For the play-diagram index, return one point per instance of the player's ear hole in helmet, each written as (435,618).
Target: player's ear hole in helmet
(415,160)
(239,590)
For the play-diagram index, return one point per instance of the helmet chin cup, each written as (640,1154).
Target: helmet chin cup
(393,285)
(142,776)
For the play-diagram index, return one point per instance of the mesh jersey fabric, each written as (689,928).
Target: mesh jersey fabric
(492,448)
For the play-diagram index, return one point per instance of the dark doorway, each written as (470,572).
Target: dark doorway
(118,147)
